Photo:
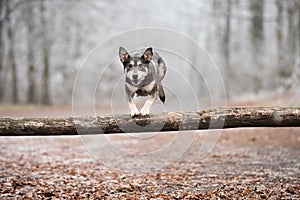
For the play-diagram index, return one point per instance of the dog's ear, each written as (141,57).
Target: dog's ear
(123,54)
(148,54)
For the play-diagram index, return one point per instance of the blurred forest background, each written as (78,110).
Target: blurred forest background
(256,43)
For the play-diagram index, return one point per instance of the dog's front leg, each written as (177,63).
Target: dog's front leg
(133,109)
(146,108)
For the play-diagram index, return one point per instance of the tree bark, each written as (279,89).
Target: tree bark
(1,49)
(298,29)
(31,93)
(216,118)
(226,48)
(45,57)
(279,34)
(257,38)
(11,55)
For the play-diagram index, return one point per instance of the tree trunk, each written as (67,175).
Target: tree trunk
(45,57)
(11,57)
(226,48)
(293,33)
(1,51)
(298,29)
(292,38)
(279,27)
(257,36)
(31,93)
(218,118)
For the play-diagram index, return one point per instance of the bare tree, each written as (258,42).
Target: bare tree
(298,7)
(292,31)
(11,53)
(31,93)
(226,47)
(257,36)
(45,56)
(225,8)
(287,46)
(1,48)
(280,41)
(295,79)
(279,34)
(291,39)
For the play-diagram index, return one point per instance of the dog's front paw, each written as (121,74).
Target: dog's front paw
(145,111)
(134,113)
(133,109)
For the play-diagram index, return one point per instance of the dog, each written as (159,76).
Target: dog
(144,72)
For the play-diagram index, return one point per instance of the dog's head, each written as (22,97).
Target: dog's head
(136,67)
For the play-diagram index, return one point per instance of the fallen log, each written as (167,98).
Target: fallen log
(215,118)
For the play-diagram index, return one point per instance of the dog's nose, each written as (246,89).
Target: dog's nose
(135,76)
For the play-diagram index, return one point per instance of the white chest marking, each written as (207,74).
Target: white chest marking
(149,87)
(131,87)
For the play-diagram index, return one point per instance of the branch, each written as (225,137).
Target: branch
(217,118)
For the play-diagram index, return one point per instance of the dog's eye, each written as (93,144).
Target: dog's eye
(140,65)
(130,65)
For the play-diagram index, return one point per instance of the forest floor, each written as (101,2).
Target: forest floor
(245,163)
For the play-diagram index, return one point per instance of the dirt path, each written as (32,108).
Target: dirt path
(249,163)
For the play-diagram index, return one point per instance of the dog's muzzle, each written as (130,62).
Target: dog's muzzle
(135,79)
